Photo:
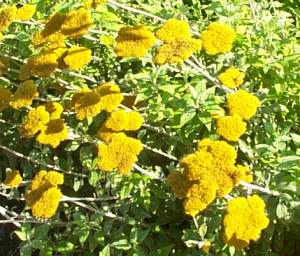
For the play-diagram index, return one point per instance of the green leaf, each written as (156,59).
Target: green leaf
(121,244)
(105,251)
(65,247)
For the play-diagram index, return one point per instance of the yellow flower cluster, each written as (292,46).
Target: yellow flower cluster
(134,41)
(243,104)
(178,44)
(231,127)
(5,97)
(232,77)
(25,12)
(89,103)
(46,120)
(13,179)
(120,120)
(208,172)
(76,57)
(24,95)
(92,3)
(4,65)
(43,196)
(120,153)
(244,221)
(218,38)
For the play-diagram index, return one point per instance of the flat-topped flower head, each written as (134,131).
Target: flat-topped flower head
(77,57)
(242,173)
(55,109)
(76,23)
(243,104)
(35,120)
(13,179)
(231,127)
(232,78)
(120,154)
(53,133)
(244,221)
(179,184)
(5,97)
(25,12)
(24,95)
(134,41)
(174,29)
(7,16)
(218,38)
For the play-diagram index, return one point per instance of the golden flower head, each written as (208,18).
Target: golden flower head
(76,23)
(218,38)
(35,121)
(26,12)
(7,16)
(134,41)
(87,4)
(4,65)
(53,133)
(13,179)
(231,127)
(244,221)
(242,173)
(232,77)
(178,183)
(174,29)
(55,109)
(206,246)
(24,95)
(5,97)
(105,134)
(54,40)
(76,57)
(121,153)
(243,104)
(43,196)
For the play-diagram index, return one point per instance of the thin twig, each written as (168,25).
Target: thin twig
(256,187)
(89,199)
(145,172)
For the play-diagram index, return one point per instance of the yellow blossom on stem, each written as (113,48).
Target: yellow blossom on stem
(5,97)
(26,12)
(35,121)
(242,173)
(134,41)
(54,40)
(53,133)
(243,104)
(218,38)
(104,134)
(55,109)
(13,179)
(7,16)
(178,183)
(76,57)
(121,153)
(24,95)
(231,127)
(232,77)
(76,23)
(174,29)
(244,221)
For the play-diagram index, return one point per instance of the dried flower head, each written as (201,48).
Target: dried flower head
(4,65)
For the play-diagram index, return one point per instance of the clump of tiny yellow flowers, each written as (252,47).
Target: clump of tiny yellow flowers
(243,104)
(13,179)
(44,195)
(76,57)
(232,77)
(24,95)
(55,109)
(218,38)
(26,12)
(120,153)
(134,41)
(5,97)
(178,44)
(89,103)
(92,3)
(7,16)
(231,127)
(244,221)
(242,173)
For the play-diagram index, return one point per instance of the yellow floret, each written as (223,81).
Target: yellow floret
(104,134)
(121,153)
(7,16)
(174,29)
(232,78)
(179,184)
(35,121)
(54,109)
(76,23)
(4,65)
(76,57)
(5,97)
(134,41)
(92,3)
(243,104)
(177,50)
(51,41)
(26,12)
(231,127)
(199,196)
(242,173)
(218,38)
(13,179)
(244,221)
(42,65)
(24,95)
(53,133)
